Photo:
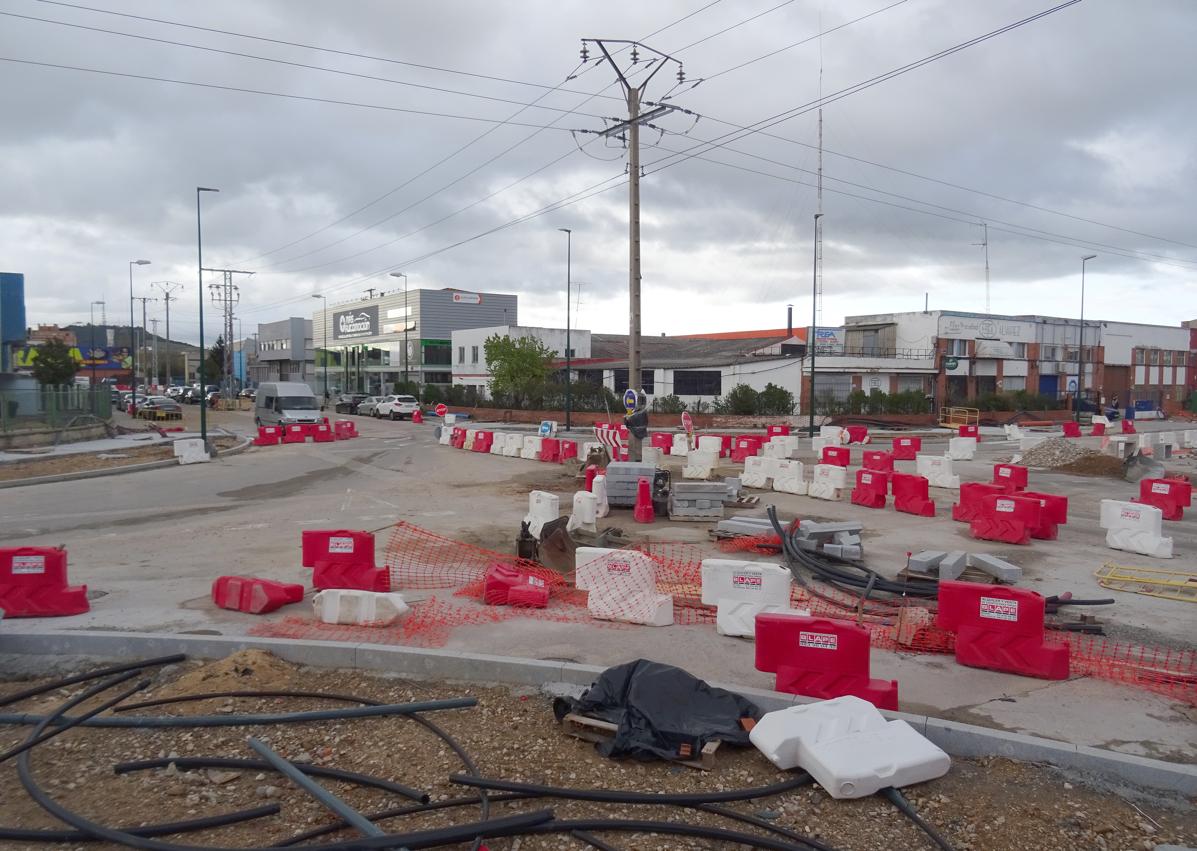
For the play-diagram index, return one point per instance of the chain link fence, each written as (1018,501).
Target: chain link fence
(45,407)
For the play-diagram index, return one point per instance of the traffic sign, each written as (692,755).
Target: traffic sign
(687,422)
(441,409)
(629,400)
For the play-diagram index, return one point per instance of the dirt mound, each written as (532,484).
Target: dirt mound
(1055,453)
(244,670)
(1095,464)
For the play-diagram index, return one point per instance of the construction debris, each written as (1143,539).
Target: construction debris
(951,565)
(1056,452)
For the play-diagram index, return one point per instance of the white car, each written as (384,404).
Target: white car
(396,407)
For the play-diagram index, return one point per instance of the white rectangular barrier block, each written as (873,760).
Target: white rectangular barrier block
(1190,439)
(774,450)
(542,508)
(832,433)
(588,447)
(191,450)
(756,471)
(817,445)
(681,445)
(1145,442)
(1101,419)
(471,436)
(937,470)
(531,448)
(599,488)
(449,420)
(779,734)
(962,448)
(828,482)
(585,513)
(700,463)
(1167,438)
(1013,432)
(737,618)
(513,445)
(631,606)
(1135,528)
(602,569)
(709,443)
(790,477)
(737,579)
(652,455)
(446,435)
(361,608)
(789,441)
(497,442)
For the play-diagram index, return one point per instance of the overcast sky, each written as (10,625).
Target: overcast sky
(1086,114)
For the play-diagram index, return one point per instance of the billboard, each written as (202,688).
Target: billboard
(359,322)
(86,357)
(12,307)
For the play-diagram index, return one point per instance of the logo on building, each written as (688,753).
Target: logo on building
(467,298)
(360,322)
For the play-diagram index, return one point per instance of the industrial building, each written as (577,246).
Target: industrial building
(470,368)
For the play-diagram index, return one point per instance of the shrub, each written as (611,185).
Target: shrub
(742,399)
(670,404)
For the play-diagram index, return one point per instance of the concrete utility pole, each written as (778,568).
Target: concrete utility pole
(167,288)
(1080,348)
(634,96)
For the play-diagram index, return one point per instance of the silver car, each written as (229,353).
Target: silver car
(366,407)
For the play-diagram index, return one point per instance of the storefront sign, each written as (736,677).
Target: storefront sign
(359,322)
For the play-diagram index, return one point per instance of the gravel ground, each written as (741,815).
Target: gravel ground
(79,462)
(990,804)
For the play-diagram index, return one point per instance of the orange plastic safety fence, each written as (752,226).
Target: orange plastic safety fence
(769,544)
(1164,670)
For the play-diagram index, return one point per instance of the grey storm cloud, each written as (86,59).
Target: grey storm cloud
(1085,113)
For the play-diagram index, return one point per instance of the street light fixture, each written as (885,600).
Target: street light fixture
(568,273)
(814,314)
(324,310)
(1080,349)
(199,248)
(406,324)
(133,337)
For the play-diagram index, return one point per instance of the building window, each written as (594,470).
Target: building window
(438,378)
(473,354)
(696,382)
(1154,357)
(1014,382)
(1138,356)
(461,354)
(438,355)
(1019,349)
(1168,358)
(958,348)
(646,381)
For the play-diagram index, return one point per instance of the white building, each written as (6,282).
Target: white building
(470,368)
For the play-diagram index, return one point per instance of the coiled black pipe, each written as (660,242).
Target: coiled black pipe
(20,834)
(93,675)
(905,808)
(673,828)
(329,773)
(727,812)
(616,796)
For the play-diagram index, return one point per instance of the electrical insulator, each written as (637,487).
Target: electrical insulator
(635,55)
(681,74)
(585,53)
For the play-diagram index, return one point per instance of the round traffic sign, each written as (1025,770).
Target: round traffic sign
(629,400)
(687,422)
(441,409)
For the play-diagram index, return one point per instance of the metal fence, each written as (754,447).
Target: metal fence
(46,407)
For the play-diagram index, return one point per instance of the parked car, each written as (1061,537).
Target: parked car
(347,403)
(159,407)
(367,407)
(196,394)
(127,400)
(397,407)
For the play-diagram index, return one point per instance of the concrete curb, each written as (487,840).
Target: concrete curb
(113,471)
(963,740)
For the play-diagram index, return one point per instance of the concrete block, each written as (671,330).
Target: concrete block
(433,663)
(652,455)
(953,564)
(191,450)
(962,448)
(998,568)
(926,561)
(815,529)
(733,487)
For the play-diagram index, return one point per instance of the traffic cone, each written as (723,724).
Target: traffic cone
(643,512)
(417,416)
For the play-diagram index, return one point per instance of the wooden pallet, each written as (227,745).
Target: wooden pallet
(594,730)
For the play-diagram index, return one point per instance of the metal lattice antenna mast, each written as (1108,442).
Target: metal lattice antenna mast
(984,243)
(167,288)
(226,294)
(635,97)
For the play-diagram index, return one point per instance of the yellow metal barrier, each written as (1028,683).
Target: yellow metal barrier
(953,417)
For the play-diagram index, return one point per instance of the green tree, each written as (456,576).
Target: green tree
(54,365)
(742,399)
(776,401)
(670,404)
(519,368)
(214,365)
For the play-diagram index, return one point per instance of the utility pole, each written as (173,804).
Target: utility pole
(227,295)
(154,325)
(634,97)
(143,299)
(167,288)
(813,340)
(984,243)
(569,247)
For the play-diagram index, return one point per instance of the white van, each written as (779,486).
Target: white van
(286,403)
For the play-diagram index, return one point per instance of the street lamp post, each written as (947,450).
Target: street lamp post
(1080,349)
(92,354)
(133,337)
(199,249)
(568,273)
(406,323)
(324,310)
(814,314)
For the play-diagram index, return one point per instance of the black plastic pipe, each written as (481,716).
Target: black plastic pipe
(21,834)
(905,808)
(614,796)
(673,828)
(86,716)
(93,675)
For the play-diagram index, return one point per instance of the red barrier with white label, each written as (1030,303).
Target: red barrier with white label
(295,434)
(1012,477)
(969,507)
(775,430)
(457,437)
(906,448)
(661,440)
(872,488)
(970,431)
(1006,518)
(33,584)
(268,436)
(1053,512)
(1171,496)
(1000,628)
(1099,430)
(569,449)
(550,449)
(820,657)
(483,441)
(857,433)
(252,595)
(343,558)
(1128,427)
(746,447)
(877,459)
(837,456)
(345,429)
(912,494)
(506,586)
(321,433)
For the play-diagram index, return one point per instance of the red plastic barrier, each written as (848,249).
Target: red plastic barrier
(776,430)
(321,433)
(345,429)
(550,449)
(347,546)
(820,657)
(33,584)
(877,459)
(506,586)
(970,431)
(1053,512)
(417,417)
(484,441)
(746,447)
(569,449)
(912,494)
(592,470)
(1072,429)
(1000,628)
(905,448)
(295,434)
(602,426)
(857,433)
(356,576)
(643,512)
(1128,427)
(1007,518)
(268,436)
(661,440)
(872,487)
(969,507)
(839,456)
(457,437)
(1012,477)
(252,595)
(1099,430)
(1171,496)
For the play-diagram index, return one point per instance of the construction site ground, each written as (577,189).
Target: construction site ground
(988,804)
(148,545)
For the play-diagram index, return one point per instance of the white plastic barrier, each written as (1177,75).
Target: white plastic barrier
(828,482)
(758,470)
(937,470)
(700,464)
(740,590)
(599,488)
(588,447)
(681,445)
(446,435)
(835,435)
(191,450)
(818,443)
(513,445)
(531,448)
(1189,439)
(621,586)
(471,436)
(643,607)
(1145,442)
(449,420)
(542,508)
(1135,528)
(497,442)
(848,747)
(709,443)
(652,455)
(790,477)
(361,608)
(1167,438)
(1013,432)
(585,513)
(962,448)
(781,446)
